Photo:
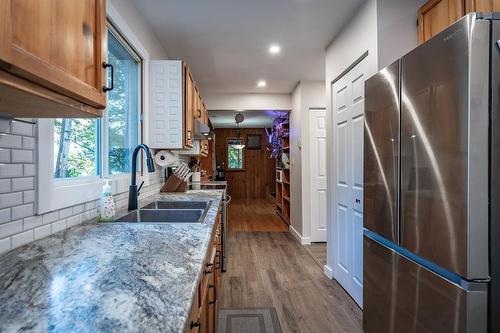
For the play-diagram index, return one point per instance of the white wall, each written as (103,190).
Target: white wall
(397,29)
(295,163)
(359,36)
(248,101)
(313,96)
(138,24)
(307,95)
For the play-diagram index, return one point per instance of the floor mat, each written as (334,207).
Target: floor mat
(252,320)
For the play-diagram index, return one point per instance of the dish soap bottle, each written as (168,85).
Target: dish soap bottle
(107,204)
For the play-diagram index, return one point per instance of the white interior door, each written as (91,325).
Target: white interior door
(348,114)
(317,123)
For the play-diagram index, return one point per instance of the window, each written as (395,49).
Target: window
(76,148)
(124,102)
(85,150)
(235,153)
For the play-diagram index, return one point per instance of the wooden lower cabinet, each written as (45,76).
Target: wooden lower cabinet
(203,317)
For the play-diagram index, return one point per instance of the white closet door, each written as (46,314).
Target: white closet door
(348,117)
(317,123)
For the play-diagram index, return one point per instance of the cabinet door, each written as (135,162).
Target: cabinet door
(188,110)
(60,45)
(436,15)
(484,6)
(199,106)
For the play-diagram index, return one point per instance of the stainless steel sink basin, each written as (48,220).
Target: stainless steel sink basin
(164,216)
(178,205)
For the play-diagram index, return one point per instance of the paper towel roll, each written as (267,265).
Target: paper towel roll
(165,158)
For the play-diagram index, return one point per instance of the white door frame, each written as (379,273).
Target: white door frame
(329,270)
(313,216)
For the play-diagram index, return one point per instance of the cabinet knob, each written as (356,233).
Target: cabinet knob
(195,324)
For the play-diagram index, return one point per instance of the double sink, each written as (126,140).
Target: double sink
(168,212)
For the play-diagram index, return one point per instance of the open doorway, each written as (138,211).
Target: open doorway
(248,154)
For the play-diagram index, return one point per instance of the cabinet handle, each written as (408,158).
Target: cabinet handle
(195,324)
(211,286)
(189,134)
(106,88)
(358,201)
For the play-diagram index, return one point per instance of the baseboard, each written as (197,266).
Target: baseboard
(298,237)
(328,271)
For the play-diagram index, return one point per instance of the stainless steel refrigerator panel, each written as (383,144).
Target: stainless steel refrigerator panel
(381,153)
(401,296)
(494,308)
(444,140)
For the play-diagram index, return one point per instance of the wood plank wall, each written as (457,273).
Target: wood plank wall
(258,177)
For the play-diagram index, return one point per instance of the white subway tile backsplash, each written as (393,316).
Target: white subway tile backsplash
(22,156)
(29,196)
(50,217)
(5,185)
(43,231)
(10,141)
(11,199)
(5,215)
(90,205)
(22,238)
(29,170)
(22,184)
(32,222)
(4,155)
(5,245)
(11,228)
(4,125)
(58,226)
(78,209)
(20,128)
(22,211)
(66,212)
(29,143)
(11,170)
(74,220)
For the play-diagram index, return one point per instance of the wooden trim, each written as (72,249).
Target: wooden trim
(351,66)
(23,98)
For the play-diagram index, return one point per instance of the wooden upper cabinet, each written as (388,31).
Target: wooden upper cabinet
(51,55)
(484,6)
(190,97)
(436,15)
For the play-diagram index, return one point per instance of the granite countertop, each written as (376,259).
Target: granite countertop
(99,277)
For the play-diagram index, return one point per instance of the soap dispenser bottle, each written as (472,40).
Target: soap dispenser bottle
(107,205)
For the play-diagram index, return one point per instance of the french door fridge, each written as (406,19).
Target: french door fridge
(431,179)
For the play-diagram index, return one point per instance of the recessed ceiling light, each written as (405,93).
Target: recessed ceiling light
(274,49)
(261,84)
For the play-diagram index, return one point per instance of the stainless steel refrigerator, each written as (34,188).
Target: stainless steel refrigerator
(432,185)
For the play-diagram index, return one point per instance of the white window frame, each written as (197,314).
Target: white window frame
(54,194)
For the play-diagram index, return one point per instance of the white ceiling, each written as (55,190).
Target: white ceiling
(226,42)
(253,118)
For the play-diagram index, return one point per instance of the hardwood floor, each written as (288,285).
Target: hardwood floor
(254,215)
(273,269)
(318,252)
